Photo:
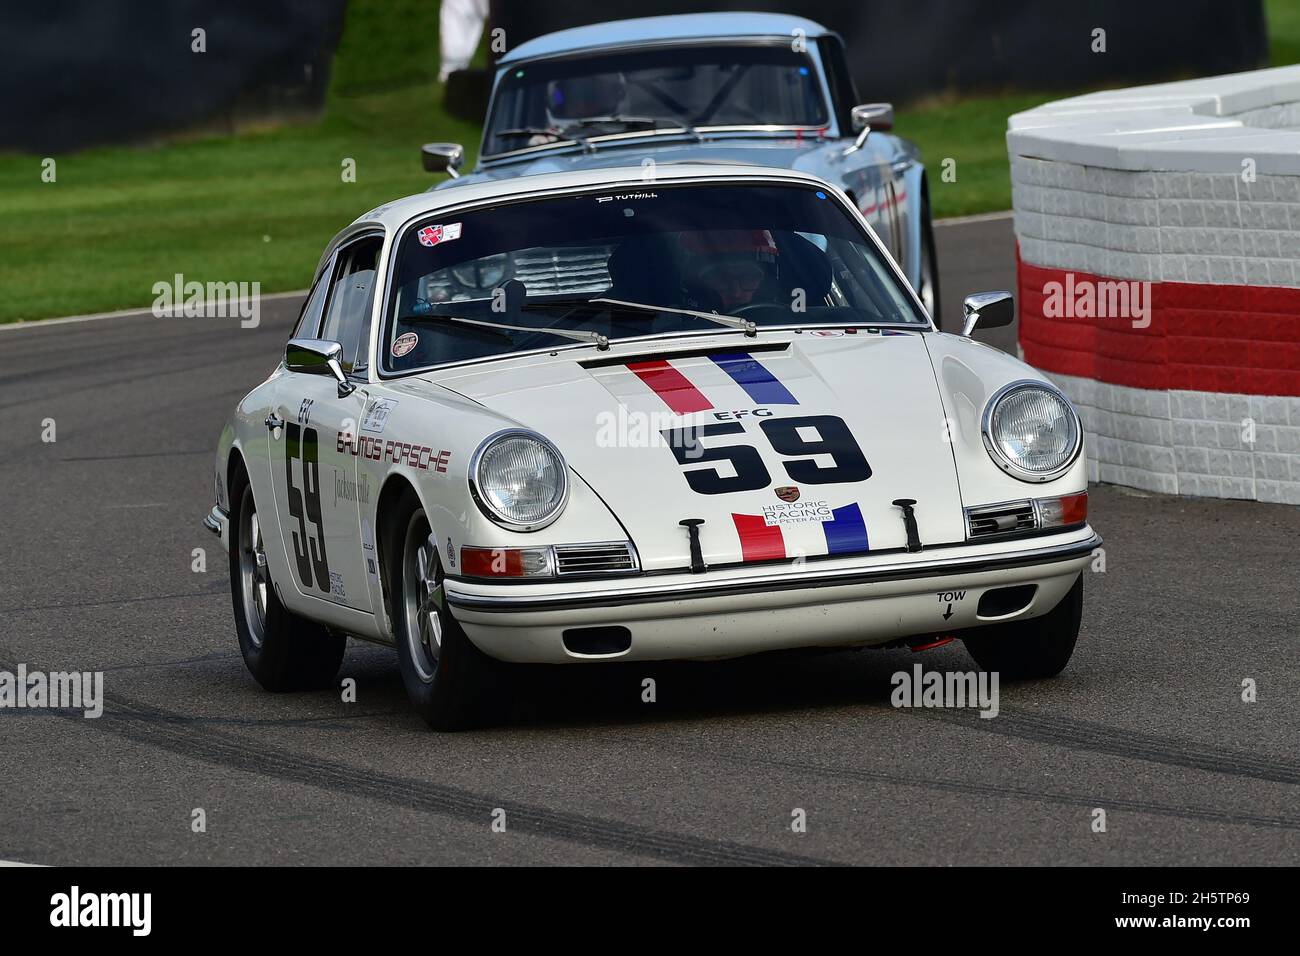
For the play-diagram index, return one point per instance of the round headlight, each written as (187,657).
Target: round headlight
(519,480)
(1031,431)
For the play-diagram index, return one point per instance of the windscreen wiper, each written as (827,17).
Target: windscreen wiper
(600,341)
(730,321)
(563,134)
(654,122)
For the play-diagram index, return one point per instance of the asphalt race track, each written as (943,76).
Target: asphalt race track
(99,527)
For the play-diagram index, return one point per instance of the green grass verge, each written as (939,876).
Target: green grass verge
(260,205)
(972,133)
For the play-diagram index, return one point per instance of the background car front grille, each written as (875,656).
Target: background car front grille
(1014,517)
(608,557)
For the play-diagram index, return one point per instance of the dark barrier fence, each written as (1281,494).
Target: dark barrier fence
(904,49)
(75,73)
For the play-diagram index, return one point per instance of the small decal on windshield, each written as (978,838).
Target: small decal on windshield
(626,196)
(432,235)
(405,343)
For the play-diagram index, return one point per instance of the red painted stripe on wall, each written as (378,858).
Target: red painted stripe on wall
(1202,337)
(672,386)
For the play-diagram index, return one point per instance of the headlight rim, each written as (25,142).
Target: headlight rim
(485,506)
(1011,467)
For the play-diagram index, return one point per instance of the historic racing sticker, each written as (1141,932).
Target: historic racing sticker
(404,343)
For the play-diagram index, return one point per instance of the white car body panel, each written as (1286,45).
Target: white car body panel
(911,398)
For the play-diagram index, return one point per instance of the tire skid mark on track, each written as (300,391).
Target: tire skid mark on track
(164,730)
(115,601)
(1099,738)
(1063,798)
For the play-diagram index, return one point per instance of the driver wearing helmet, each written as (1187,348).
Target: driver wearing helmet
(728,269)
(580,97)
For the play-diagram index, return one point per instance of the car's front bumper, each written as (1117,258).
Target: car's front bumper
(735,611)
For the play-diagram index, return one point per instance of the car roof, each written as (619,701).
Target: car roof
(394,215)
(689,26)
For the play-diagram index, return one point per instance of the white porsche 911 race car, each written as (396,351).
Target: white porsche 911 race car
(695,416)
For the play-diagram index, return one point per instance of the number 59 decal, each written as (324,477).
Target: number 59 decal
(787,436)
(304,505)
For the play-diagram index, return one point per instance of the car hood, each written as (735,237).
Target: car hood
(787,153)
(787,446)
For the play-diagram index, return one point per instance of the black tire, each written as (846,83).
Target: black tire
(929,263)
(449,681)
(282,651)
(1037,648)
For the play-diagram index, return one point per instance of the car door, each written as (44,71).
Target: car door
(318,495)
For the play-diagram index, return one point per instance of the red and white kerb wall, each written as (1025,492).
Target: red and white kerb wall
(1158,243)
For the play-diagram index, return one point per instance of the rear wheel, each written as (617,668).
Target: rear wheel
(281,650)
(1037,648)
(447,678)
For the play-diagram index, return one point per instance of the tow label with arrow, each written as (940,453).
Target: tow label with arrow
(948,599)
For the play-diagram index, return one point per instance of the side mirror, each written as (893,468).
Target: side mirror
(318,357)
(442,158)
(988,310)
(867,117)
(874,116)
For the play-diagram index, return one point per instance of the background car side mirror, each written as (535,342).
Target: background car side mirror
(318,357)
(442,158)
(879,116)
(988,310)
(868,117)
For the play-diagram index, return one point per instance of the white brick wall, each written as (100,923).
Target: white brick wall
(1176,226)
(1190,443)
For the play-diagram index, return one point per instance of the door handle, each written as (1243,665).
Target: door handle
(273,422)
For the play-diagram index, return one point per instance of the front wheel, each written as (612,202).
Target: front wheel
(281,650)
(447,678)
(1037,648)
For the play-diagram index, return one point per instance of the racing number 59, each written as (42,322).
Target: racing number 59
(786,436)
(309,550)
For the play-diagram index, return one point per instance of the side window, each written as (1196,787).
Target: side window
(352,291)
(309,319)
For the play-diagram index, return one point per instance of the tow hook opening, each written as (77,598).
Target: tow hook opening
(597,641)
(1003,602)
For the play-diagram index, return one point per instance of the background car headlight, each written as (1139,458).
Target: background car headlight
(1031,431)
(520,480)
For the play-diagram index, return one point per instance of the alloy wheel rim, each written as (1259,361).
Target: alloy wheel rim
(422,599)
(255,576)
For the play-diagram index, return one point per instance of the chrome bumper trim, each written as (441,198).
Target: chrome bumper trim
(218,522)
(767,583)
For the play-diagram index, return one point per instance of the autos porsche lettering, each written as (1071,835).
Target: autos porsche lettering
(797,495)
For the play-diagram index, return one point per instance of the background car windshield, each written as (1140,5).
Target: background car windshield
(539,103)
(494,280)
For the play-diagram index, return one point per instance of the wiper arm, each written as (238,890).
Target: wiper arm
(655,122)
(564,135)
(600,341)
(729,321)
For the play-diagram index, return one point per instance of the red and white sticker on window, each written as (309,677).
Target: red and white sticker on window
(432,235)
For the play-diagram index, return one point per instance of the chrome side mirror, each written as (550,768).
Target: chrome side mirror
(318,357)
(869,116)
(989,310)
(442,158)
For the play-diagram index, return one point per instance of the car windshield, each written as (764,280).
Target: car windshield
(580,98)
(542,273)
